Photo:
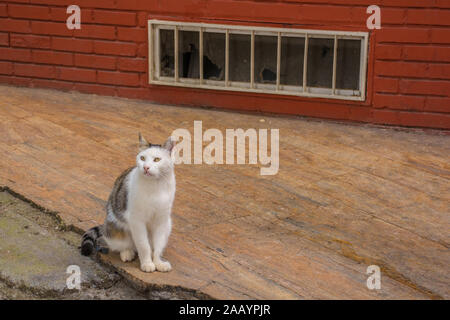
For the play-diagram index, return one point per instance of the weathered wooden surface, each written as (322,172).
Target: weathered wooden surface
(345,197)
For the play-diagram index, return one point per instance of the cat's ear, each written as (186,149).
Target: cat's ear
(169,144)
(143,144)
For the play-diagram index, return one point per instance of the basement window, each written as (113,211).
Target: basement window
(313,63)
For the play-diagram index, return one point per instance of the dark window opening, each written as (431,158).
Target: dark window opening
(167,53)
(239,57)
(213,56)
(265,59)
(320,63)
(291,64)
(348,66)
(188,46)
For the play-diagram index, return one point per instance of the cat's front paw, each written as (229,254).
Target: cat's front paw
(148,266)
(127,255)
(163,266)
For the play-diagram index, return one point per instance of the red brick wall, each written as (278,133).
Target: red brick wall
(409,58)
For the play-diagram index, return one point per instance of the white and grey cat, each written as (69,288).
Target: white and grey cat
(138,212)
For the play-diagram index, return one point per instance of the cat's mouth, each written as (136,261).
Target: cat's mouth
(148,174)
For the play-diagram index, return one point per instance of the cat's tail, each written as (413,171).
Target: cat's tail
(90,241)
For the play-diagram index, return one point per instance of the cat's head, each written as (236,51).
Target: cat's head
(154,160)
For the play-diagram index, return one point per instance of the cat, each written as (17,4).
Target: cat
(138,211)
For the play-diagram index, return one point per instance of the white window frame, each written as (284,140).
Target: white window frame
(155,25)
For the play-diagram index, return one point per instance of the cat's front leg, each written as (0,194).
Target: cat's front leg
(140,238)
(160,235)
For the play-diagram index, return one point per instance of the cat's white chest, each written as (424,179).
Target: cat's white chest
(151,203)
(147,200)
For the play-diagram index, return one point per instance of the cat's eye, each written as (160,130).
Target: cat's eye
(142,158)
(157,159)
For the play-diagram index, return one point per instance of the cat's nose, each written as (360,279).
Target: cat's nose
(146,168)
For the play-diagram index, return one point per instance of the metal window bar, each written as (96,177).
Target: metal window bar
(305,63)
(278,61)
(200,40)
(363,67)
(175,37)
(227,57)
(252,60)
(333,86)
(150,50)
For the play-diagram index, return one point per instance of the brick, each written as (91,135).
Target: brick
(3,10)
(437,104)
(12,25)
(439,71)
(95,88)
(6,67)
(142,50)
(399,35)
(52,2)
(114,17)
(142,19)
(143,78)
(442,3)
(427,120)
(401,69)
(54,84)
(312,13)
(115,48)
(428,17)
(424,87)
(442,54)
(60,14)
(406,3)
(30,41)
(50,28)
(440,36)
(132,64)
(29,12)
(421,53)
(392,52)
(254,11)
(94,61)
(385,117)
(4,39)
(386,85)
(151,6)
(15,54)
(426,53)
(35,71)
(390,16)
(399,102)
(359,113)
(118,78)
(74,45)
(76,74)
(82,3)
(95,32)
(16,81)
(134,93)
(132,34)
(52,57)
